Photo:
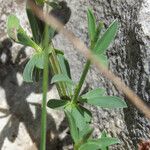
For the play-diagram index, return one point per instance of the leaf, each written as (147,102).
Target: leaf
(51,32)
(89,146)
(85,134)
(91,24)
(65,68)
(40,2)
(64,65)
(61,78)
(24,39)
(107,102)
(99,144)
(94,93)
(55,103)
(79,118)
(102,58)
(34,24)
(28,71)
(98,31)
(86,113)
(72,126)
(16,32)
(59,51)
(36,61)
(40,60)
(103,135)
(106,141)
(103,42)
(12,26)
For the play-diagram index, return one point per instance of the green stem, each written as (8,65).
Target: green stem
(81,81)
(45,89)
(62,86)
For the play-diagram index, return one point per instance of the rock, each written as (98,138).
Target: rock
(129,58)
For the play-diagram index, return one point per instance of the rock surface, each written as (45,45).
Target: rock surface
(129,58)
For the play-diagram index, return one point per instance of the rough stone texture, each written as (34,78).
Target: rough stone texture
(129,58)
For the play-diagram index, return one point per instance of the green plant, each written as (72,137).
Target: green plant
(47,58)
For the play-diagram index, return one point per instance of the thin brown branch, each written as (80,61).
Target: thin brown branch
(50,20)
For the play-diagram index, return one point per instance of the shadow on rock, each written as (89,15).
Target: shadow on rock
(16,95)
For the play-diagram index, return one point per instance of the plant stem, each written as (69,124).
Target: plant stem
(81,81)
(45,89)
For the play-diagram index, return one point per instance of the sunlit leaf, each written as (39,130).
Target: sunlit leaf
(61,78)
(107,102)
(40,2)
(91,24)
(98,31)
(35,25)
(79,118)
(40,60)
(99,143)
(55,103)
(89,146)
(86,113)
(72,126)
(64,65)
(37,60)
(12,26)
(17,33)
(102,58)
(85,134)
(106,141)
(28,71)
(103,42)
(94,93)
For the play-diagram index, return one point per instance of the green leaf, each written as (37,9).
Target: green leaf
(98,31)
(107,102)
(55,103)
(40,2)
(36,61)
(85,134)
(54,5)
(102,58)
(64,65)
(61,78)
(12,26)
(28,71)
(106,141)
(59,51)
(91,24)
(39,60)
(51,32)
(34,24)
(104,134)
(89,146)
(86,113)
(103,42)
(72,126)
(16,32)
(94,93)
(99,144)
(79,118)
